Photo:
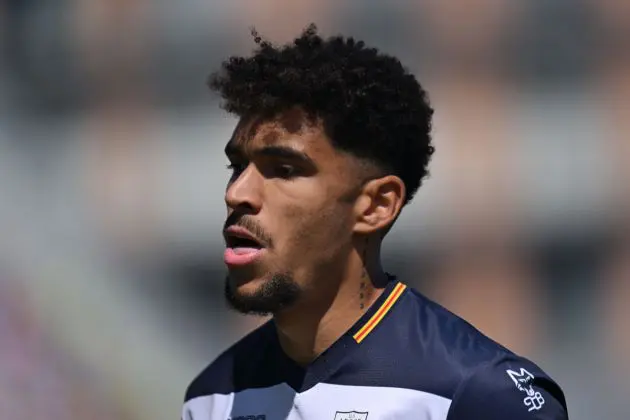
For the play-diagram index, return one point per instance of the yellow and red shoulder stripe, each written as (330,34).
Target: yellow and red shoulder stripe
(380,313)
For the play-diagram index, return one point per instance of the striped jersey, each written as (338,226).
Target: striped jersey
(407,358)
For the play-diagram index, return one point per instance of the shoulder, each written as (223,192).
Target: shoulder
(443,334)
(421,346)
(511,387)
(439,352)
(232,370)
(487,379)
(427,333)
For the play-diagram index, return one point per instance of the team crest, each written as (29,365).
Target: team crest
(351,415)
(523,381)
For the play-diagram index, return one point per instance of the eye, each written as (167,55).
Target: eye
(285,171)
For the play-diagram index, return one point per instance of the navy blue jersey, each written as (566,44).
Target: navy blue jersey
(406,358)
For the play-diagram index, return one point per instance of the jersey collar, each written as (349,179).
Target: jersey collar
(330,361)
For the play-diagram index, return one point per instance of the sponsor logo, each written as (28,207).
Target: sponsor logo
(351,415)
(523,381)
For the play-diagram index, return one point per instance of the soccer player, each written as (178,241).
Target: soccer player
(333,140)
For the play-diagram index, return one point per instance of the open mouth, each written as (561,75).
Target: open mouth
(242,247)
(237,238)
(240,242)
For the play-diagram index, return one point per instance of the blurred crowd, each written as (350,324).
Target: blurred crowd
(38,379)
(112,179)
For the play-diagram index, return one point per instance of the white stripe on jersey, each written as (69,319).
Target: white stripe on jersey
(322,402)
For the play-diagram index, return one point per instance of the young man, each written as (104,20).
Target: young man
(333,140)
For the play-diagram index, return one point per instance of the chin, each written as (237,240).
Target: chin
(263,295)
(246,284)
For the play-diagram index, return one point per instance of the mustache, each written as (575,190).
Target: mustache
(249,223)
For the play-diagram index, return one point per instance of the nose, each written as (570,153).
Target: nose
(244,191)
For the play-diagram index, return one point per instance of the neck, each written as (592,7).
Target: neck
(308,329)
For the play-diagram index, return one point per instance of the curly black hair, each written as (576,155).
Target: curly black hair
(369,104)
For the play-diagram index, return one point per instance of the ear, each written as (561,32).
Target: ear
(379,204)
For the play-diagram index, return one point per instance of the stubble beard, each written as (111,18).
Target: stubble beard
(275,294)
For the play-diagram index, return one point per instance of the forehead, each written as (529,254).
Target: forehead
(292,128)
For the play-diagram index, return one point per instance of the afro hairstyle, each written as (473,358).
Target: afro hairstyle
(370,106)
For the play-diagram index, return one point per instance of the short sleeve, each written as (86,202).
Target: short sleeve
(510,389)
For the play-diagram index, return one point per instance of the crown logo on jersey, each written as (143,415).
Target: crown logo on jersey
(351,415)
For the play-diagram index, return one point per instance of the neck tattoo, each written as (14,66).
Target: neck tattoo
(364,278)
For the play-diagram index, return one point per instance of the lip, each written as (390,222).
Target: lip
(239,232)
(239,257)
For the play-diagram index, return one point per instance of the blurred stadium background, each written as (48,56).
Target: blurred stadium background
(112,179)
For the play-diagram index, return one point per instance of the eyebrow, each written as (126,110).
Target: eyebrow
(283,152)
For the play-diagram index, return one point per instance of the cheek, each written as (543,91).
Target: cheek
(319,231)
